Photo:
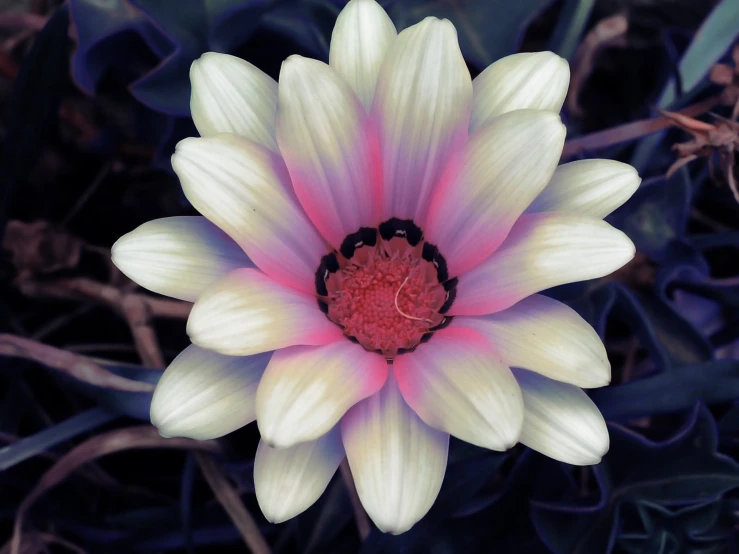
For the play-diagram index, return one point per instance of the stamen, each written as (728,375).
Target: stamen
(357,288)
(401,311)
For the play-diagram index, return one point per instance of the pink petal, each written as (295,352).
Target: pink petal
(325,137)
(288,481)
(422,107)
(397,461)
(456,383)
(177,256)
(246,312)
(306,389)
(245,189)
(506,165)
(542,251)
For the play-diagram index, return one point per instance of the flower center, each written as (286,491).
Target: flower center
(386,288)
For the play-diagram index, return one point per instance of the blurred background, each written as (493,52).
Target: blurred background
(94,94)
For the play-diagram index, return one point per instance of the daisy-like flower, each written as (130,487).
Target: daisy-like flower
(364,277)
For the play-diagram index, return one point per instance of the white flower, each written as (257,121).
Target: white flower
(398,220)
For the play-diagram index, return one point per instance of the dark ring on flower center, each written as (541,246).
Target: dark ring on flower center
(388,293)
(405,228)
(366,236)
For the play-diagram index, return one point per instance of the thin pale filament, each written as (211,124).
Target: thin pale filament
(401,311)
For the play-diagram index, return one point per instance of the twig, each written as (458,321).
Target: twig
(129,438)
(631,131)
(81,288)
(231,502)
(360,516)
(610,31)
(137,309)
(92,187)
(78,367)
(17,20)
(61,321)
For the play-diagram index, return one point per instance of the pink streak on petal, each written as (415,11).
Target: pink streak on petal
(454,336)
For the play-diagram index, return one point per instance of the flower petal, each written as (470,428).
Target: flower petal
(536,81)
(560,420)
(541,251)
(230,95)
(246,312)
(546,336)
(306,389)
(506,165)
(362,35)
(204,395)
(421,106)
(325,137)
(289,480)
(245,190)
(177,256)
(457,383)
(590,187)
(397,461)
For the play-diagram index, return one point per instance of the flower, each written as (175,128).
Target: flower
(375,232)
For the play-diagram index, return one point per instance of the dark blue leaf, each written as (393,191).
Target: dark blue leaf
(194,27)
(656,215)
(682,531)
(669,391)
(570,25)
(685,469)
(487,30)
(49,438)
(106,33)
(131,404)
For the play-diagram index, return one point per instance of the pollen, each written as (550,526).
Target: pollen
(384,289)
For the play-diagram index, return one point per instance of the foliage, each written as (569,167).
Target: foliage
(91,157)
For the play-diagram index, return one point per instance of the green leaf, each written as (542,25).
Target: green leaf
(714,37)
(570,26)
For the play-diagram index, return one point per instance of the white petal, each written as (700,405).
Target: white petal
(204,395)
(306,389)
(560,420)
(230,95)
(548,337)
(177,256)
(289,480)
(245,190)
(536,81)
(397,461)
(422,106)
(590,187)
(362,35)
(457,383)
(247,312)
(506,165)
(542,251)
(324,135)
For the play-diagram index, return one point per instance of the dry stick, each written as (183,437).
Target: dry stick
(231,502)
(633,130)
(81,288)
(130,438)
(137,309)
(137,313)
(78,367)
(360,516)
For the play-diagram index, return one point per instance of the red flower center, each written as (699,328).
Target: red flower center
(386,288)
